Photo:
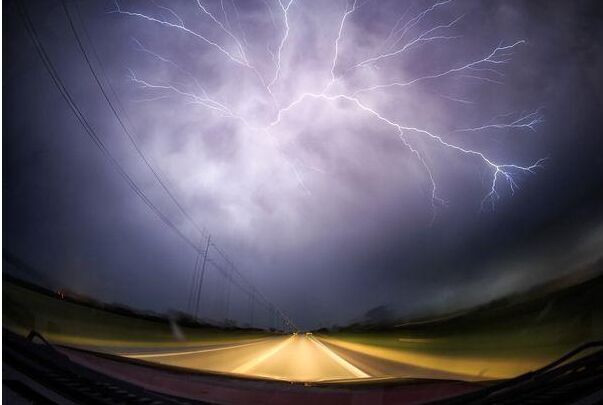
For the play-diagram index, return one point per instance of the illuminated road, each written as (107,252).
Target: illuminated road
(291,358)
(304,358)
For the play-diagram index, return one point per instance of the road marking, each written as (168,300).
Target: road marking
(142,356)
(244,368)
(340,360)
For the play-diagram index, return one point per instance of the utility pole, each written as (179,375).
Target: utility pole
(201,276)
(192,292)
(251,306)
(228,280)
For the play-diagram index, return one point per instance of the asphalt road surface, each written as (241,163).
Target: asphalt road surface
(303,358)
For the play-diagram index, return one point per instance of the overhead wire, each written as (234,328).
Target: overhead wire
(133,140)
(88,128)
(91,132)
(126,131)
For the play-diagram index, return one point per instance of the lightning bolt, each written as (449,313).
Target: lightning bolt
(339,34)
(179,25)
(427,36)
(224,29)
(413,22)
(285,9)
(402,37)
(497,56)
(529,121)
(140,47)
(194,98)
(506,170)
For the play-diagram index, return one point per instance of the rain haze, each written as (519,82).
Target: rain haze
(415,155)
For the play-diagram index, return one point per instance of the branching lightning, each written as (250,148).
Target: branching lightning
(529,121)
(178,25)
(339,34)
(224,29)
(498,56)
(402,37)
(285,6)
(427,36)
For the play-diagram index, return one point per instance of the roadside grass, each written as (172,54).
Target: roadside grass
(529,329)
(68,323)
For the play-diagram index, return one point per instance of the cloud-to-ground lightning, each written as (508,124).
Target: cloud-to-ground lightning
(350,94)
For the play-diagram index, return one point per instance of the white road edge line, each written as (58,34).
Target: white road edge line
(340,360)
(142,356)
(244,368)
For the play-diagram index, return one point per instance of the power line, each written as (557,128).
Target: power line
(130,136)
(47,62)
(202,275)
(59,84)
(192,290)
(126,131)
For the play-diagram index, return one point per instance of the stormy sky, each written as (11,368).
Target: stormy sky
(345,155)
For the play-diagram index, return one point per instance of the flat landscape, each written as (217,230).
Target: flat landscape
(500,340)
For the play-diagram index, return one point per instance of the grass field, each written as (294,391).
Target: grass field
(65,322)
(502,339)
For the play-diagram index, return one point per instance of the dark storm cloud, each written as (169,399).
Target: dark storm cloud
(330,215)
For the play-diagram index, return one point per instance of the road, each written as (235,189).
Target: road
(299,358)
